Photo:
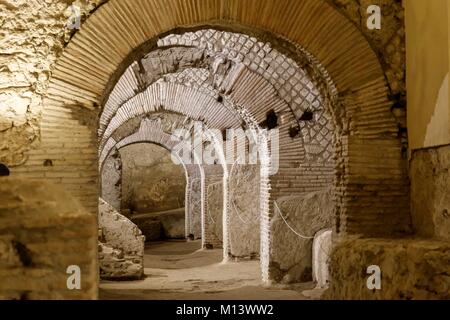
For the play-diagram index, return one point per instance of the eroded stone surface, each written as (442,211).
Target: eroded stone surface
(390,43)
(303,217)
(214,214)
(430,192)
(151,182)
(410,269)
(111,180)
(32,37)
(43,231)
(244,212)
(121,248)
(194,205)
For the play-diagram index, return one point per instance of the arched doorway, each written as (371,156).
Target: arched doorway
(329,48)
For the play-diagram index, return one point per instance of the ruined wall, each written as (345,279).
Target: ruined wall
(410,269)
(77,180)
(244,211)
(111,180)
(194,203)
(296,221)
(352,9)
(121,247)
(162,225)
(214,214)
(213,207)
(413,269)
(43,231)
(389,42)
(33,35)
(151,182)
(430,192)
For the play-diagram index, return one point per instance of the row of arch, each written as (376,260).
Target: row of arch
(297,66)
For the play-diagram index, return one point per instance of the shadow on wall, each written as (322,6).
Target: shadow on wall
(4,171)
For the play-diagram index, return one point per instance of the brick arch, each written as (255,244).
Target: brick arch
(109,37)
(371,179)
(152,131)
(248,88)
(191,57)
(155,135)
(173,98)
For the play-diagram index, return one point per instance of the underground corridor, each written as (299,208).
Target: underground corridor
(176,264)
(225,150)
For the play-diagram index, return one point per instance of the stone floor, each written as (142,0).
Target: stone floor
(178,270)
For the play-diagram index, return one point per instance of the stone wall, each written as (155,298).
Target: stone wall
(32,37)
(296,221)
(162,225)
(151,182)
(430,192)
(44,231)
(36,34)
(389,42)
(244,212)
(214,214)
(410,269)
(111,180)
(121,247)
(194,203)
(71,129)
(213,207)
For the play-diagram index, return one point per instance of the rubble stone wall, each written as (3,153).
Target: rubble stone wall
(410,269)
(111,180)
(121,247)
(430,192)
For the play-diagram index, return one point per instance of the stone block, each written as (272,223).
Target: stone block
(121,255)
(296,220)
(410,269)
(322,246)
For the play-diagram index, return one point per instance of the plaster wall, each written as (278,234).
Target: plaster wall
(427,47)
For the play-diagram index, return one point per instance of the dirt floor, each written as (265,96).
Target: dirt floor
(179,270)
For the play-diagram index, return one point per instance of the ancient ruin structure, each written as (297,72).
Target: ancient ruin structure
(101,100)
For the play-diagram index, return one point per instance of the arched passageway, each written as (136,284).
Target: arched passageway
(280,113)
